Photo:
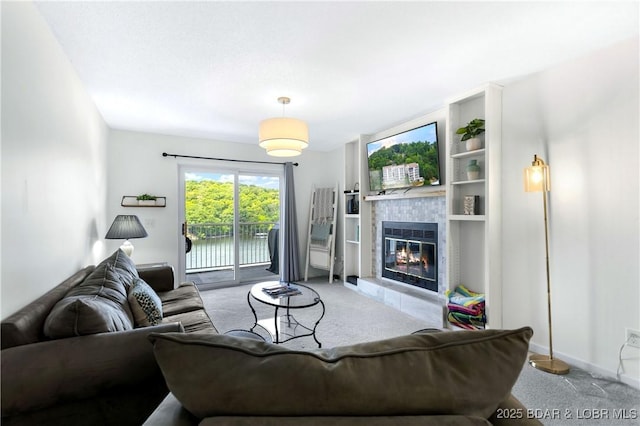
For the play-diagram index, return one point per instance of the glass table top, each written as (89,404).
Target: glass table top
(306,297)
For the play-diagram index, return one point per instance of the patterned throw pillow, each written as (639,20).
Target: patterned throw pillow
(145,304)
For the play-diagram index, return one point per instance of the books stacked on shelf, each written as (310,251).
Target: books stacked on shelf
(282,290)
(465,308)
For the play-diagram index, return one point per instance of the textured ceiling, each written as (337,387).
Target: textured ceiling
(215,69)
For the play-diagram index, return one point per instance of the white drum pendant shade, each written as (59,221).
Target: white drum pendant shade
(283,137)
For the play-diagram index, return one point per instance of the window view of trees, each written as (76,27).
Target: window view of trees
(209,201)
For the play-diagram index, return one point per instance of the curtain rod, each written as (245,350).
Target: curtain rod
(164,154)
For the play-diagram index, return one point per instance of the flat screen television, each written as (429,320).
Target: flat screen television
(405,160)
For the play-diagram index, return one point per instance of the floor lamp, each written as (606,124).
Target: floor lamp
(537,179)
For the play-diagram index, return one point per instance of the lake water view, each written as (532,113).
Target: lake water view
(212,253)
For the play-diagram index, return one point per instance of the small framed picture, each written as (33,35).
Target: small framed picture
(471,204)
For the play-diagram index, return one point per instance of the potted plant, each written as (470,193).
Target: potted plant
(470,133)
(146,200)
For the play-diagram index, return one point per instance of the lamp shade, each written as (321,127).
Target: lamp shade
(125,227)
(283,137)
(537,177)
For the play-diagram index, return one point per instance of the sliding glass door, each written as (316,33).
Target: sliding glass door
(231,226)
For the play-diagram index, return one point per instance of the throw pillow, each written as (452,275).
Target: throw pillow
(123,265)
(96,305)
(145,304)
(452,373)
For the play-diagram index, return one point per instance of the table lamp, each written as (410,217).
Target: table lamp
(126,227)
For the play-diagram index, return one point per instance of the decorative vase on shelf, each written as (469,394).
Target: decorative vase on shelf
(473,170)
(473,144)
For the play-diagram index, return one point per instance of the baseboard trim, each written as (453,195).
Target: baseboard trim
(634,382)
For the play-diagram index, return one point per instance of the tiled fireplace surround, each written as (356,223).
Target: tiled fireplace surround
(419,303)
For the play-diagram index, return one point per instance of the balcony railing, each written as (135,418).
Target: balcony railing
(212,245)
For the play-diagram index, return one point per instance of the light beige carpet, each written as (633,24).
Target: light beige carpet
(349,317)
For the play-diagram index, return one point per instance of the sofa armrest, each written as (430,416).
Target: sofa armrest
(47,373)
(160,278)
(512,412)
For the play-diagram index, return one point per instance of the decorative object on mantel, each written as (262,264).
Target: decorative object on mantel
(283,137)
(473,170)
(471,132)
(144,200)
(537,179)
(125,227)
(353,205)
(471,204)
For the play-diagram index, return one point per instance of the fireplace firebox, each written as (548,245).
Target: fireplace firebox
(411,253)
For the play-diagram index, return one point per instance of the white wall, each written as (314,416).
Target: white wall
(136,166)
(582,118)
(53,162)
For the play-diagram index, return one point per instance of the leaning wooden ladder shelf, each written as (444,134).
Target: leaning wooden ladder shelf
(321,242)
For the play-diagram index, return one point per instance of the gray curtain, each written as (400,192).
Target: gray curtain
(290,264)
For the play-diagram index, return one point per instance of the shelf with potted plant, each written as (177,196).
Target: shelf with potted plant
(143,200)
(471,134)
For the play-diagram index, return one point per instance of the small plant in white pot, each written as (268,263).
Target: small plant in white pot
(471,132)
(146,200)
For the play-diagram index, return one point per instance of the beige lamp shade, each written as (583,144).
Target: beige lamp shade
(536,176)
(283,137)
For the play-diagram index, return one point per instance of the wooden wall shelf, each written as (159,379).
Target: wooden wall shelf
(131,201)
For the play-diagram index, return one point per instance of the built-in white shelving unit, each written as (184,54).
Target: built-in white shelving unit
(356,244)
(473,241)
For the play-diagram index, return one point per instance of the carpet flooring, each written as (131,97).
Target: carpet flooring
(578,398)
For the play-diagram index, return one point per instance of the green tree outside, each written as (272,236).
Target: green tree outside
(208,201)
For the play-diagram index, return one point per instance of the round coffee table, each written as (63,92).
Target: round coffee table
(283,328)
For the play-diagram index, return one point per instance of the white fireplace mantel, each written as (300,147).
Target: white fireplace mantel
(401,195)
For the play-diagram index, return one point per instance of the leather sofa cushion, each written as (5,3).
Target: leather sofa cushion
(171,413)
(194,321)
(453,373)
(434,420)
(98,304)
(185,298)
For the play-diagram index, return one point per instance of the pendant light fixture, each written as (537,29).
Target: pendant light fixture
(283,137)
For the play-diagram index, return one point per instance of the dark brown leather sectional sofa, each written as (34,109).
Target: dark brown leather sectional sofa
(106,378)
